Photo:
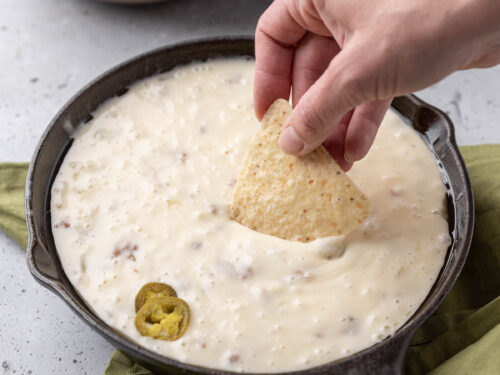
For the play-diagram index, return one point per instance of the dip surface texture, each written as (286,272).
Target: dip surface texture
(143,195)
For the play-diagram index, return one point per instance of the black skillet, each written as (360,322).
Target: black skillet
(385,357)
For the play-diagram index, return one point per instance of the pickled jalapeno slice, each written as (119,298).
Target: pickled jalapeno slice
(150,290)
(164,318)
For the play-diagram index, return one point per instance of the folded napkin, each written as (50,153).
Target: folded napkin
(12,219)
(461,337)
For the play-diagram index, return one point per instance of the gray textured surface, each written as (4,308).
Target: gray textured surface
(51,48)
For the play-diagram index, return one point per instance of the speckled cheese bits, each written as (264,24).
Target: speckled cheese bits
(294,198)
(141,197)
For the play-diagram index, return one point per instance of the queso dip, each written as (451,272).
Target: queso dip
(143,196)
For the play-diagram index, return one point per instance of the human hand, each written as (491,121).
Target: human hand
(345,60)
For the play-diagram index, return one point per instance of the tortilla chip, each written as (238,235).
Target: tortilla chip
(294,198)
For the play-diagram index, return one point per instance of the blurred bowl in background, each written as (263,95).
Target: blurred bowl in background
(132,2)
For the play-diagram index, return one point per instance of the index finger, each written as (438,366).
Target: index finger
(276,35)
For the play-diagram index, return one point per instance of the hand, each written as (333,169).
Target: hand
(346,59)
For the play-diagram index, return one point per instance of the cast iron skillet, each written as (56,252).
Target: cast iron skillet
(385,357)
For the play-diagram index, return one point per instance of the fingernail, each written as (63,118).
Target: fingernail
(348,159)
(290,142)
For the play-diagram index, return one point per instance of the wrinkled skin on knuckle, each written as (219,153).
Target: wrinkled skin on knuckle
(307,16)
(357,82)
(309,121)
(261,26)
(302,10)
(382,72)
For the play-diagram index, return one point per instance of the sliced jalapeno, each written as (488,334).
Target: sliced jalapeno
(164,318)
(153,289)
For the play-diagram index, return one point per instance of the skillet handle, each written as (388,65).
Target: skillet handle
(41,265)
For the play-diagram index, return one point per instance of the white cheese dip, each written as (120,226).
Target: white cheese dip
(143,195)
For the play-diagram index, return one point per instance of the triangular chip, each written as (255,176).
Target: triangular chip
(294,198)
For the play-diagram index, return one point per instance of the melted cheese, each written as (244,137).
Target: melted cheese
(143,195)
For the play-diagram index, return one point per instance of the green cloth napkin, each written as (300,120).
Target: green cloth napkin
(12,219)
(461,337)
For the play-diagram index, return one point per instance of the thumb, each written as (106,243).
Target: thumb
(339,89)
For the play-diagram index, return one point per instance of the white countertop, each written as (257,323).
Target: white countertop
(48,50)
